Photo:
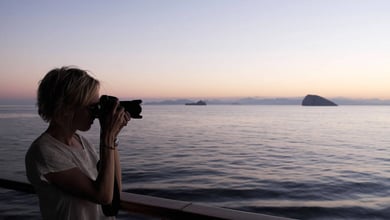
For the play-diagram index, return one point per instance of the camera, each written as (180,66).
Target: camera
(106,102)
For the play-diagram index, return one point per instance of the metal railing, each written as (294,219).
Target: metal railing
(162,208)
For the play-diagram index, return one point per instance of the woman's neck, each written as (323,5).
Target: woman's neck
(61,133)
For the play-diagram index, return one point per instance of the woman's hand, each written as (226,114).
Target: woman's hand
(112,123)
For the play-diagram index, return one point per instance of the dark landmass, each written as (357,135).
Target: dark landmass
(316,100)
(243,101)
(270,101)
(200,102)
(347,101)
(169,102)
(21,101)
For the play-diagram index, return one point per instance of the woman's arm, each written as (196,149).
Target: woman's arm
(118,170)
(101,190)
(77,183)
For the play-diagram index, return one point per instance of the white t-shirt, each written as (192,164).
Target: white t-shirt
(47,155)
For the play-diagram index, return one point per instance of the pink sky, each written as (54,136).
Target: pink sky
(202,49)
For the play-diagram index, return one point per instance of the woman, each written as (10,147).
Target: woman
(61,164)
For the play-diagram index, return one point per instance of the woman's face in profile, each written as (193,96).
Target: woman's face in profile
(83,118)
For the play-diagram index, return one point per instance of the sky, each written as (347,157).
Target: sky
(200,48)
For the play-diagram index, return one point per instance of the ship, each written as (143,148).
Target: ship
(200,102)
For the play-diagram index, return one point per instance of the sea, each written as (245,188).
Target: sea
(283,160)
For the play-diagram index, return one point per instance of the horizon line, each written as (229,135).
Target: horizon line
(32,101)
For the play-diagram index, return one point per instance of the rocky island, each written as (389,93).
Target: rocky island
(315,100)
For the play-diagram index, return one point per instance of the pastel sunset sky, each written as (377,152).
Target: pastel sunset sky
(200,48)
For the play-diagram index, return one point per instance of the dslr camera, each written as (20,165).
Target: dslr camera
(106,102)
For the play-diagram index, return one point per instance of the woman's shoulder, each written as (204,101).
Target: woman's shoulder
(40,148)
(43,141)
(39,142)
(45,144)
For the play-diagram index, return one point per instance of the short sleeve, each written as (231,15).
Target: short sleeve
(50,158)
(53,161)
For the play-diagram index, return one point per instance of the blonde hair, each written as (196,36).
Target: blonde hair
(64,89)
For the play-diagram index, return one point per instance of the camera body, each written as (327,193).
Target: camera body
(106,102)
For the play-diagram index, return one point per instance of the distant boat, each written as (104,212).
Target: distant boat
(200,102)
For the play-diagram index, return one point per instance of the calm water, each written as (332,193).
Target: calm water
(291,161)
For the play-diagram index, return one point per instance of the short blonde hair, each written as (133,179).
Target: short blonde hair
(64,89)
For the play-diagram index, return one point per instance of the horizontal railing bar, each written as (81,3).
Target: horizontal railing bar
(174,209)
(161,207)
(18,186)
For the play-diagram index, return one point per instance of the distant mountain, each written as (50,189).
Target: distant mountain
(270,101)
(20,101)
(242,101)
(225,101)
(169,102)
(347,101)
